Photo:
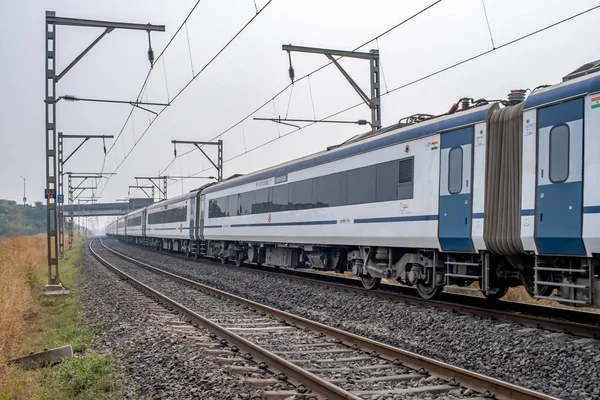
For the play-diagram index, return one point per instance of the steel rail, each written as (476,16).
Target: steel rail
(513,315)
(537,316)
(318,385)
(488,386)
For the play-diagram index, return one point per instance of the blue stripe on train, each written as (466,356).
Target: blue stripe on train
(408,218)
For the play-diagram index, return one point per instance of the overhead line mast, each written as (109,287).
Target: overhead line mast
(53,177)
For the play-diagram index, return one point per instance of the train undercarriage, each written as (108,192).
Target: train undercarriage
(571,280)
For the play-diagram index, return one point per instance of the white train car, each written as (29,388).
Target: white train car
(111,228)
(501,194)
(120,228)
(170,224)
(408,188)
(136,225)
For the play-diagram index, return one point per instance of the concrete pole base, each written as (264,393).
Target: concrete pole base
(55,290)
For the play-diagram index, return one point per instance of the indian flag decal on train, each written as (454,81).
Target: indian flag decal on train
(434,145)
(596,102)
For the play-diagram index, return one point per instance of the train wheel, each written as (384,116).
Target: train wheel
(370,282)
(496,293)
(428,291)
(527,281)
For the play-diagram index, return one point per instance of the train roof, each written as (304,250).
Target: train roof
(565,90)
(173,200)
(385,137)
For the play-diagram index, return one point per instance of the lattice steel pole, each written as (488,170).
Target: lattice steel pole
(61,199)
(53,213)
(50,100)
(70,213)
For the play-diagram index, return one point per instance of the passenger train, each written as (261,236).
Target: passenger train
(498,193)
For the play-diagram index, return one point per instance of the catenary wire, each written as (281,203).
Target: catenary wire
(487,21)
(272,99)
(452,66)
(185,86)
(151,69)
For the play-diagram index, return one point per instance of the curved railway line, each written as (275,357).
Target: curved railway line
(564,320)
(305,353)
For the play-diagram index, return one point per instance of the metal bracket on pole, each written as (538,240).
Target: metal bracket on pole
(219,143)
(53,207)
(286,121)
(142,187)
(83,53)
(374,101)
(84,177)
(61,163)
(151,179)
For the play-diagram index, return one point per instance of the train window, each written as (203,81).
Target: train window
(281,179)
(406,178)
(217,207)
(232,206)
(212,206)
(330,190)
(455,170)
(261,201)
(387,181)
(223,205)
(279,198)
(180,214)
(301,195)
(559,153)
(134,221)
(246,200)
(362,185)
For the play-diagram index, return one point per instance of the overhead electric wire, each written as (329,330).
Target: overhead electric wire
(152,67)
(186,85)
(308,75)
(466,60)
(487,21)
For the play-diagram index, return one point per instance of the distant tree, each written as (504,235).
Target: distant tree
(16,219)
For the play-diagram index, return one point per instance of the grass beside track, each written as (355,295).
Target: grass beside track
(31,322)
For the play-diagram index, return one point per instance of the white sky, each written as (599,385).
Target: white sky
(253,69)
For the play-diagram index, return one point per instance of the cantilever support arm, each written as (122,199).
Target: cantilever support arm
(140,187)
(74,151)
(354,85)
(219,143)
(206,155)
(85,139)
(374,100)
(83,53)
(80,183)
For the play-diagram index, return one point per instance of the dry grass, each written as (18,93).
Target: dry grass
(520,295)
(22,268)
(30,322)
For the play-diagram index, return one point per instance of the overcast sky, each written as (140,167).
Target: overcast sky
(252,70)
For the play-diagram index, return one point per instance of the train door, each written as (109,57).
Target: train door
(559,200)
(202,199)
(144,222)
(455,190)
(191,218)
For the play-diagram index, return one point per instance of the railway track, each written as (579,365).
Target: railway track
(578,323)
(320,361)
